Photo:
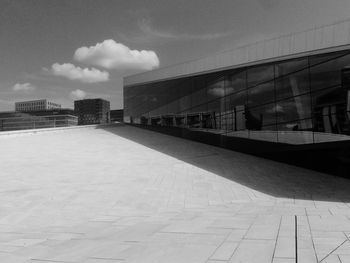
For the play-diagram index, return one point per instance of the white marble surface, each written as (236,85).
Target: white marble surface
(122,194)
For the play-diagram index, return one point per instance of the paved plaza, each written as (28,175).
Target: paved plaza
(123,194)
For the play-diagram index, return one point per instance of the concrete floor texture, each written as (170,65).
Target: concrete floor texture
(122,194)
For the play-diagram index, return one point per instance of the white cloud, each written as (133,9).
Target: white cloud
(73,72)
(23,87)
(77,94)
(112,55)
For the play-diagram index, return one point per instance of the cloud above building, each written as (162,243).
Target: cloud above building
(112,55)
(77,94)
(23,87)
(72,72)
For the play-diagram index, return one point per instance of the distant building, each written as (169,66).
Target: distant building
(92,111)
(116,115)
(36,105)
(10,121)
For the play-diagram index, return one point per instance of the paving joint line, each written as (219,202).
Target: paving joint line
(346,240)
(296,237)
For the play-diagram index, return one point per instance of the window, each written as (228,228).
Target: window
(216,89)
(261,116)
(261,94)
(236,82)
(287,67)
(236,100)
(292,85)
(260,74)
(296,108)
(328,74)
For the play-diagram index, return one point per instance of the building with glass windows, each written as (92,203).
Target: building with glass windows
(92,111)
(286,98)
(36,105)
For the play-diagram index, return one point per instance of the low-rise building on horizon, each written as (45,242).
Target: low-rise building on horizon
(36,105)
(15,120)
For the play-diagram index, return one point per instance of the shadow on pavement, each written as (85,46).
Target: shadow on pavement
(266,176)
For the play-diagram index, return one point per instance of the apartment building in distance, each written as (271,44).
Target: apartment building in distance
(92,111)
(36,105)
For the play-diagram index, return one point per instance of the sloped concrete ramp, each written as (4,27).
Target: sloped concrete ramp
(122,194)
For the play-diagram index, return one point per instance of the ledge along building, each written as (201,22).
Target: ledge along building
(286,98)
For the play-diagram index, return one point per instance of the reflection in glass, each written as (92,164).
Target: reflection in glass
(325,57)
(290,66)
(261,116)
(295,108)
(266,133)
(236,82)
(261,94)
(199,97)
(328,74)
(295,132)
(236,99)
(292,85)
(260,74)
(308,104)
(216,89)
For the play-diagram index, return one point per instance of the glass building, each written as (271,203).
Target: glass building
(298,104)
(92,111)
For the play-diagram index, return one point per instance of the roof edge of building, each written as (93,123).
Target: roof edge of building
(312,41)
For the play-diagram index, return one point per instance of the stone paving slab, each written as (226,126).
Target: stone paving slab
(122,194)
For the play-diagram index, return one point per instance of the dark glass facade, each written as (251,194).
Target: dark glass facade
(298,101)
(92,111)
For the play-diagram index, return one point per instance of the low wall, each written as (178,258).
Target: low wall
(330,157)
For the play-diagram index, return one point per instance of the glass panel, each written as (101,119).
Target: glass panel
(290,66)
(329,73)
(174,107)
(266,133)
(194,120)
(324,57)
(261,116)
(229,121)
(216,89)
(199,97)
(331,127)
(261,94)
(216,105)
(294,109)
(328,97)
(199,109)
(260,74)
(292,85)
(185,103)
(236,82)
(236,99)
(180,120)
(296,132)
(216,109)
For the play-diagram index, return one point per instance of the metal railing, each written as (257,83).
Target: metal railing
(37,122)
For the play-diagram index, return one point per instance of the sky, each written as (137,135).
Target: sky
(64,50)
